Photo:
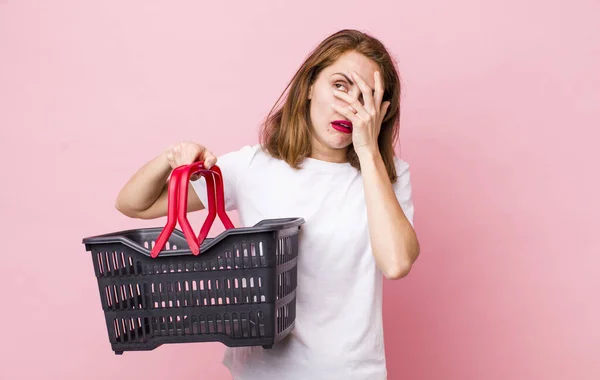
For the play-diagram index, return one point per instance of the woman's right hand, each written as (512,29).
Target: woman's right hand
(186,153)
(145,195)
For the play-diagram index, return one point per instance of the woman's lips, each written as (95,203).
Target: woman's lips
(343,126)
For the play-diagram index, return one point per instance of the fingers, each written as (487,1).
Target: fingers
(209,159)
(186,153)
(353,104)
(345,111)
(379,90)
(367,92)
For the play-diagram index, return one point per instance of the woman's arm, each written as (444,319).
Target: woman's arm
(144,196)
(393,239)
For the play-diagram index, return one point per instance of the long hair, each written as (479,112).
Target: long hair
(285,134)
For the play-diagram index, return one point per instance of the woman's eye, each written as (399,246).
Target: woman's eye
(340,86)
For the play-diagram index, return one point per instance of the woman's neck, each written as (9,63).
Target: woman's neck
(327,154)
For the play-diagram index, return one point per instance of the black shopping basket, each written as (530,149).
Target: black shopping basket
(162,285)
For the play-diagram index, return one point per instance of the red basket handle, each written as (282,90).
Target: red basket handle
(214,186)
(164,235)
(177,206)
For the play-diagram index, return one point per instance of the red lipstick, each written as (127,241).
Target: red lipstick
(343,126)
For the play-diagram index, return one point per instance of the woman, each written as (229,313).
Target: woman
(326,154)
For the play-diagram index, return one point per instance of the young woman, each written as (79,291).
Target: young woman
(326,154)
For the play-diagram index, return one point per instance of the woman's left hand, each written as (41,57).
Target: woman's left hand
(366,119)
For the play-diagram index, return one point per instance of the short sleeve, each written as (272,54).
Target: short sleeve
(403,189)
(232,165)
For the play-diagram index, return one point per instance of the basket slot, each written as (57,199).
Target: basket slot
(129,327)
(156,325)
(99,264)
(116,336)
(220,324)
(253,325)
(173,290)
(144,329)
(286,248)
(115,297)
(176,322)
(114,263)
(171,297)
(261,324)
(160,293)
(203,293)
(107,299)
(169,325)
(286,282)
(285,316)
(107,267)
(210,322)
(181,299)
(245,325)
(246,260)
(127,292)
(186,296)
(202,329)
(261,254)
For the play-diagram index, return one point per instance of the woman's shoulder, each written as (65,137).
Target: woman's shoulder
(244,156)
(248,152)
(402,166)
(403,173)
(245,150)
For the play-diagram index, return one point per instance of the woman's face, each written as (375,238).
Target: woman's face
(329,143)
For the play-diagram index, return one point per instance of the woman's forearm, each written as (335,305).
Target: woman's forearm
(393,240)
(144,187)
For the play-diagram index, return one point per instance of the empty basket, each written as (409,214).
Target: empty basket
(162,285)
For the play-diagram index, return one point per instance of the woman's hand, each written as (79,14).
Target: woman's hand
(366,119)
(186,153)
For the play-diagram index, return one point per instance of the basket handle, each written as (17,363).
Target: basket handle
(172,204)
(215,188)
(177,206)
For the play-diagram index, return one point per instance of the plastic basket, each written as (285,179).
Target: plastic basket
(162,285)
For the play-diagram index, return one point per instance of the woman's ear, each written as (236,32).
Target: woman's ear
(310,90)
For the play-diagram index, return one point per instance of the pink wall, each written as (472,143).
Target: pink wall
(500,125)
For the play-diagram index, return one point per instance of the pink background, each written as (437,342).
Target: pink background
(500,124)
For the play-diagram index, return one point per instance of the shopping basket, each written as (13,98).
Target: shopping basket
(163,285)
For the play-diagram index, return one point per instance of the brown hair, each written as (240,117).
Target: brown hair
(285,133)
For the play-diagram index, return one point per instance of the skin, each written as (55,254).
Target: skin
(357,98)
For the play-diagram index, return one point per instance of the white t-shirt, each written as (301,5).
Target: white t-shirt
(338,330)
